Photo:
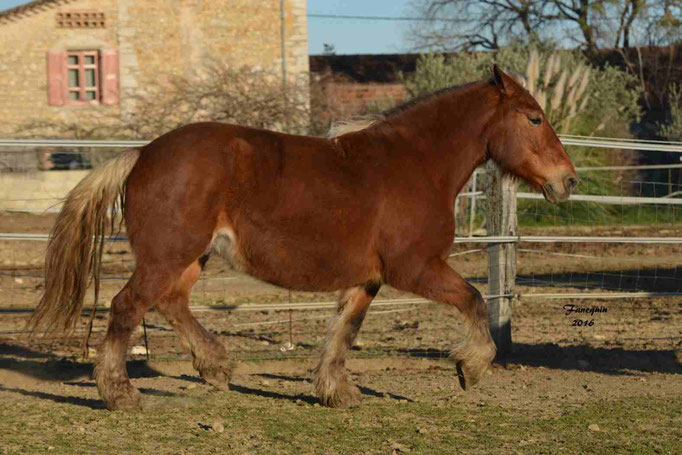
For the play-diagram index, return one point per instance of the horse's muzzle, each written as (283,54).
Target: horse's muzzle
(560,191)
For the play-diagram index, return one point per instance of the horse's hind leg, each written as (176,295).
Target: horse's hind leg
(330,377)
(143,289)
(210,356)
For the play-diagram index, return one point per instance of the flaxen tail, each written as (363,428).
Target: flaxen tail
(74,252)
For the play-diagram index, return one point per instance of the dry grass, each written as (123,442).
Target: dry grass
(559,94)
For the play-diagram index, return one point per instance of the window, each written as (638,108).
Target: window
(82,68)
(83,77)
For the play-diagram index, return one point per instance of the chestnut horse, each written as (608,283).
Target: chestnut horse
(352,212)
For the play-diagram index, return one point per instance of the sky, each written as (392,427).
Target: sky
(347,36)
(357,36)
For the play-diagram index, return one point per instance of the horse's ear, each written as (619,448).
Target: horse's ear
(504,82)
(519,79)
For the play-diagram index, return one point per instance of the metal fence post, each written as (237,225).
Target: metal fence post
(501,220)
(472,212)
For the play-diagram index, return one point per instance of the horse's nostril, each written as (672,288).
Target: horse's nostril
(571,182)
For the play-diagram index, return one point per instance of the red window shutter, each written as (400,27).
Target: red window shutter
(56,78)
(110,90)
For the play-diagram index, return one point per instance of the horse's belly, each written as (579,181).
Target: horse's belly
(314,264)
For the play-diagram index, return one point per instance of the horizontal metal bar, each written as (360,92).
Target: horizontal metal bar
(609,143)
(45,237)
(390,302)
(621,145)
(622,139)
(568,239)
(254,306)
(487,239)
(602,295)
(628,168)
(71,143)
(613,200)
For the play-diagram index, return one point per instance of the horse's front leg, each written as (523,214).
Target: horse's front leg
(330,377)
(436,281)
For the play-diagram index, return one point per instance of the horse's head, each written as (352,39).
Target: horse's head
(522,142)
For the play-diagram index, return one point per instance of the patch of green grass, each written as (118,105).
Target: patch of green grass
(255,424)
(578,213)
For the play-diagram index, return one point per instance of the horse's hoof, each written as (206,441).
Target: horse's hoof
(471,368)
(345,396)
(127,400)
(470,375)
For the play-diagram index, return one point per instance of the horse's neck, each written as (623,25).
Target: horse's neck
(448,133)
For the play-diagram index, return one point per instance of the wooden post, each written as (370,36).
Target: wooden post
(500,220)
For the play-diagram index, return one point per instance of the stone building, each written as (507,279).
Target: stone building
(68,59)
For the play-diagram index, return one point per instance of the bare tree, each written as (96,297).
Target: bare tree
(663,22)
(579,13)
(629,13)
(475,24)
(590,24)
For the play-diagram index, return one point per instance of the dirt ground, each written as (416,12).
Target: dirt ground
(611,387)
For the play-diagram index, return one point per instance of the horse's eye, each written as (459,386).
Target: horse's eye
(535,120)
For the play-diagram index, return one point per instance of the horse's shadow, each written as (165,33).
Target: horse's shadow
(307,398)
(612,361)
(79,401)
(54,369)
(60,369)
(51,368)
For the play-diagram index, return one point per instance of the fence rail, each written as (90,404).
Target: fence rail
(482,239)
(582,141)
(303,306)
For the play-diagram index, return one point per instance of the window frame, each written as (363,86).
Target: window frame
(81,67)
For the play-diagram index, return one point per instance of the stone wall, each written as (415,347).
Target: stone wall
(156,39)
(161,38)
